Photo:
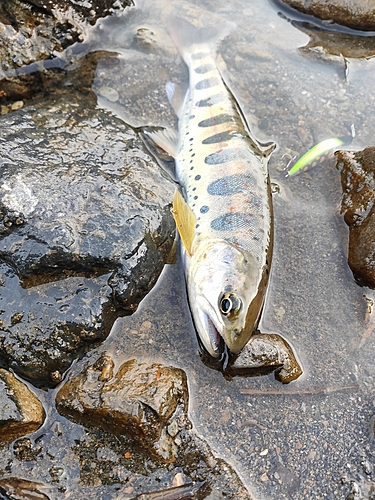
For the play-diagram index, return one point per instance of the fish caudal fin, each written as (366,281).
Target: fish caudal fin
(188,37)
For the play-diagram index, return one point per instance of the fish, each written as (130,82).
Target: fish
(223,209)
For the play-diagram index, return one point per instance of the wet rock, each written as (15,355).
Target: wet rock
(358,185)
(35,31)
(138,400)
(138,433)
(332,43)
(85,229)
(357,14)
(21,412)
(91,11)
(14,488)
(264,353)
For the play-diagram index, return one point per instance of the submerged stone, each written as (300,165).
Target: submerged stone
(85,230)
(358,206)
(136,401)
(357,14)
(21,412)
(263,353)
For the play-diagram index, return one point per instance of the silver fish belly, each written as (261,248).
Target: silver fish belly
(224,178)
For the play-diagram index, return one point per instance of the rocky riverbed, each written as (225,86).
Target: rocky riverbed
(104,393)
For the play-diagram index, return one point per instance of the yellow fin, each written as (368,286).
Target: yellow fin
(185,220)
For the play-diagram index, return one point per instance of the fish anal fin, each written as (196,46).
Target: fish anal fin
(164,138)
(185,221)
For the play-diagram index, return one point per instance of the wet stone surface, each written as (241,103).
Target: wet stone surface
(84,233)
(20,410)
(137,400)
(358,205)
(357,14)
(137,435)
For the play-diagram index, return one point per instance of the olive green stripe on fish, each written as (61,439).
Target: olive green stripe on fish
(216,120)
(232,221)
(207,83)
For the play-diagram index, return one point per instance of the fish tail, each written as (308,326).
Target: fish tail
(188,38)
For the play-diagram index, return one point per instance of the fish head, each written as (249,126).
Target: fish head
(226,290)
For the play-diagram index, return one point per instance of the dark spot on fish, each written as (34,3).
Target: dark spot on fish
(221,157)
(226,155)
(216,120)
(204,68)
(231,221)
(199,55)
(210,101)
(191,117)
(207,83)
(197,177)
(197,225)
(191,168)
(204,209)
(191,139)
(195,197)
(232,184)
(221,137)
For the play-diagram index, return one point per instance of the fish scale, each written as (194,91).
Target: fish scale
(240,215)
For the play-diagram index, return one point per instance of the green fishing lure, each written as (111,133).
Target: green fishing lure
(320,152)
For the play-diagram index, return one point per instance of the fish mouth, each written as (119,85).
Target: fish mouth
(210,338)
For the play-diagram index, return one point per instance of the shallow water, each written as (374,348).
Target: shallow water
(312,438)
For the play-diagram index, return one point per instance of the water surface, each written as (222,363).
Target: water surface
(313,438)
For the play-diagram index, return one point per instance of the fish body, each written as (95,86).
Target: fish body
(225,217)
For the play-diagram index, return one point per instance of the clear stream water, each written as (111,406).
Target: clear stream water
(313,438)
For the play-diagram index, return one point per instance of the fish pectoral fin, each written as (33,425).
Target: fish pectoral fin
(185,221)
(164,138)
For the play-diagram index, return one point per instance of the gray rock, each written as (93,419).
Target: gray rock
(85,229)
(357,14)
(21,412)
(358,205)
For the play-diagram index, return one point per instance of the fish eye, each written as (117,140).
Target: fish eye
(230,305)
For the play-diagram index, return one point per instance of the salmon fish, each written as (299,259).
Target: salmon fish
(223,210)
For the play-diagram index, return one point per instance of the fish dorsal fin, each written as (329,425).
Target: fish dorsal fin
(185,221)
(165,138)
